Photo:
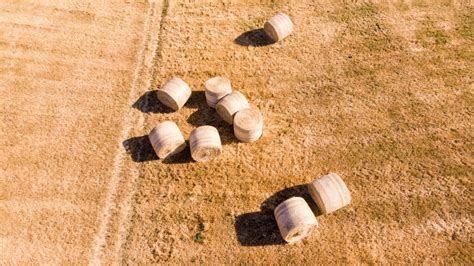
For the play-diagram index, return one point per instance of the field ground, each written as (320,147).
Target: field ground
(380,93)
(68,73)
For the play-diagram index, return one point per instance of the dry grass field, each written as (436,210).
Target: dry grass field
(381,93)
(68,73)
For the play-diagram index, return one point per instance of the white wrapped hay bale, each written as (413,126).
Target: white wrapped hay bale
(248,124)
(231,104)
(330,193)
(205,143)
(279,26)
(295,219)
(216,89)
(174,93)
(166,139)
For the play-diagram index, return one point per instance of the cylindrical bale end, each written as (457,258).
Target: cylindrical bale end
(215,89)
(248,124)
(166,139)
(295,219)
(231,104)
(278,27)
(205,143)
(174,93)
(329,192)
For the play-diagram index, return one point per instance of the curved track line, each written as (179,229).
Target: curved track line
(124,223)
(100,238)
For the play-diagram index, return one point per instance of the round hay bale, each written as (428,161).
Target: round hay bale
(329,192)
(278,27)
(205,143)
(166,139)
(248,124)
(215,89)
(295,219)
(174,93)
(231,104)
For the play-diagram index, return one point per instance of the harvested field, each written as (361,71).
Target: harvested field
(381,94)
(69,74)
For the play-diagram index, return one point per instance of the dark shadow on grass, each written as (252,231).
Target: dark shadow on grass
(181,157)
(140,149)
(255,38)
(260,228)
(205,115)
(296,191)
(149,103)
(196,100)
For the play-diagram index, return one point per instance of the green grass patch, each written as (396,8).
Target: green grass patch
(465,26)
(438,35)
(458,170)
(384,211)
(431,35)
(365,31)
(422,207)
(429,3)
(402,6)
(355,12)
(199,238)
(402,210)
(279,3)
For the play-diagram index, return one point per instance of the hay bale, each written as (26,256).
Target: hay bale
(231,104)
(174,93)
(278,27)
(205,143)
(215,89)
(295,219)
(166,139)
(330,193)
(248,124)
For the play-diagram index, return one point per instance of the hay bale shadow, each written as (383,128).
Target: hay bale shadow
(260,228)
(205,115)
(196,100)
(140,149)
(149,103)
(181,157)
(255,38)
